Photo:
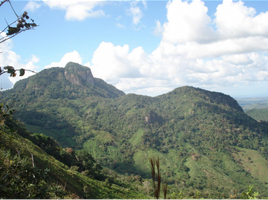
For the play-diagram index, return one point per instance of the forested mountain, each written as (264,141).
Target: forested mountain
(34,166)
(204,140)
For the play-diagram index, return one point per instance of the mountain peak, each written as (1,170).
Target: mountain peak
(197,94)
(78,74)
(72,81)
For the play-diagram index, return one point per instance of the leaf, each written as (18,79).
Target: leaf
(12,30)
(13,74)
(8,67)
(22,72)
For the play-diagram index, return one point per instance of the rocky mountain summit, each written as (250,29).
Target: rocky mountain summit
(65,82)
(78,75)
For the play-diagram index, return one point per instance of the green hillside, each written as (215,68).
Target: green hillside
(258,114)
(196,134)
(257,108)
(63,179)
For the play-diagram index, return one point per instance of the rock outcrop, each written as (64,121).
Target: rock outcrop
(78,74)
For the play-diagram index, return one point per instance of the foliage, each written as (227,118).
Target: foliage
(26,171)
(5,112)
(250,193)
(22,24)
(19,179)
(197,135)
(258,114)
(12,71)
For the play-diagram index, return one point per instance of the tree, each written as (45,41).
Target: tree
(87,163)
(19,25)
(19,179)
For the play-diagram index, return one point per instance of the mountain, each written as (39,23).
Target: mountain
(204,139)
(73,81)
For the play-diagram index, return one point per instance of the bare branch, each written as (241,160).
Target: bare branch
(2,2)
(12,8)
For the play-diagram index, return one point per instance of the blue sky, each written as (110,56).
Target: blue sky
(147,47)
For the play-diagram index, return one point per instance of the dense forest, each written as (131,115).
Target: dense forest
(207,146)
(35,166)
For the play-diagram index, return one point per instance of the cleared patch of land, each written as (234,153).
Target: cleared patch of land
(253,162)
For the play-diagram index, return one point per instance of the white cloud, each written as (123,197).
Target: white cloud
(158,30)
(112,62)
(120,25)
(135,12)
(68,57)
(10,58)
(32,6)
(144,4)
(234,19)
(77,10)
(237,59)
(226,53)
(187,21)
(192,52)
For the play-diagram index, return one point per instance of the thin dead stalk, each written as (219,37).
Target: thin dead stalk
(155,162)
(165,190)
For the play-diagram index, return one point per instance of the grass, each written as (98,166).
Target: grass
(253,162)
(204,168)
(137,137)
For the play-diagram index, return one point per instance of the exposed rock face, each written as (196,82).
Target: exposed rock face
(78,74)
(152,117)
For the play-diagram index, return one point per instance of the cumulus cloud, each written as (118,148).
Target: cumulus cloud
(68,57)
(234,19)
(77,10)
(194,50)
(225,53)
(117,61)
(187,21)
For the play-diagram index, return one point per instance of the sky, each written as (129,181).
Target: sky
(146,47)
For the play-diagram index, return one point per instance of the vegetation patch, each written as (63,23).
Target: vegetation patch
(253,162)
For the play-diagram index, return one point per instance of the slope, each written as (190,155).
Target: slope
(194,132)
(62,181)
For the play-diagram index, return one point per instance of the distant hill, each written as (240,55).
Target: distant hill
(204,139)
(257,108)
(253,103)
(258,114)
